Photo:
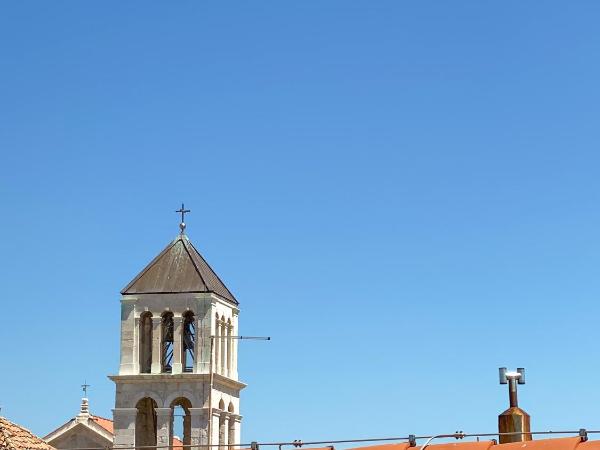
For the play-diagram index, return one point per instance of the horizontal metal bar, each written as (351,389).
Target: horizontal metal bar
(346,441)
(254,338)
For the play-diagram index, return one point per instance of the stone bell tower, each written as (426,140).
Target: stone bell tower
(177,353)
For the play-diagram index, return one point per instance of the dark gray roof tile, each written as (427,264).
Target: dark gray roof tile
(179,268)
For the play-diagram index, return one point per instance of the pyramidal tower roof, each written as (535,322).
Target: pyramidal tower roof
(179,268)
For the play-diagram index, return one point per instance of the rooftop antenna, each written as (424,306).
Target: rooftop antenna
(84,411)
(514,423)
(183,212)
(85,387)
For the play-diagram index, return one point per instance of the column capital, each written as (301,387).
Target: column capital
(198,411)
(163,411)
(124,411)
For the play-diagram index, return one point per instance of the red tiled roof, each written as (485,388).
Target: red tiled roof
(177,444)
(468,445)
(568,443)
(329,447)
(396,446)
(589,445)
(15,437)
(107,424)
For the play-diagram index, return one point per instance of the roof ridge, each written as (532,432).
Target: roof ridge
(232,297)
(187,242)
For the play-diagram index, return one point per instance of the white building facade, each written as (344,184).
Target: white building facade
(177,354)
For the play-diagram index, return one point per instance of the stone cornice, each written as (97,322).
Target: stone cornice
(181,377)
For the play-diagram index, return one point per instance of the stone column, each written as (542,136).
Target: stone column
(216,414)
(221,432)
(124,427)
(235,425)
(199,428)
(225,431)
(217,347)
(203,332)
(223,347)
(197,344)
(156,347)
(231,433)
(234,347)
(163,426)
(229,350)
(128,364)
(177,366)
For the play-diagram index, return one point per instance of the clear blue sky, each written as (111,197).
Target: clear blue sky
(404,195)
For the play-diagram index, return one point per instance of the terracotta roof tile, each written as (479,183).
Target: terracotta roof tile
(177,444)
(469,445)
(15,437)
(107,424)
(589,445)
(329,447)
(394,446)
(568,443)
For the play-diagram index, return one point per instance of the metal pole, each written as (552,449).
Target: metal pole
(512,392)
(212,377)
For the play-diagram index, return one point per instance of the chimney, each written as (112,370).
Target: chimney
(514,419)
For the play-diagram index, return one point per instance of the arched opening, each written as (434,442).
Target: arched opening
(189,341)
(145,423)
(145,344)
(167,342)
(181,425)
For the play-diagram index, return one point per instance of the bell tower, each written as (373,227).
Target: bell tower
(177,354)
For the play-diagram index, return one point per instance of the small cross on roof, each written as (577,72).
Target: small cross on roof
(183,212)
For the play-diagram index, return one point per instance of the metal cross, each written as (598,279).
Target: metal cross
(85,387)
(183,211)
